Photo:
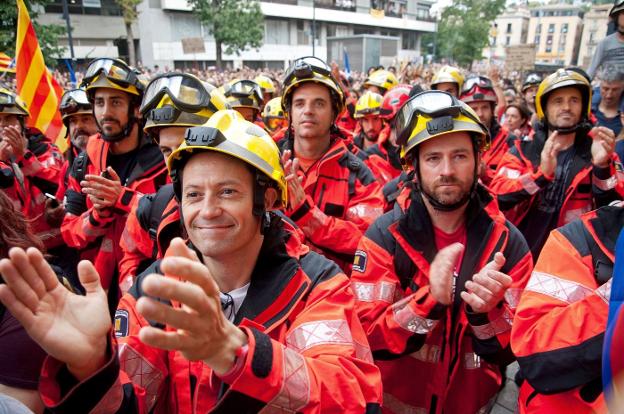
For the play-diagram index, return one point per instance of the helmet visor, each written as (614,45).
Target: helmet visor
(114,70)
(73,100)
(480,81)
(186,92)
(305,68)
(245,89)
(7,99)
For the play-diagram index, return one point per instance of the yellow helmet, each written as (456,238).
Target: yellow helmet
(112,74)
(266,83)
(448,74)
(383,79)
(368,104)
(180,99)
(243,94)
(311,69)
(229,133)
(273,114)
(432,114)
(11,103)
(562,78)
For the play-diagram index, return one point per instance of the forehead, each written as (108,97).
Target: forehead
(512,110)
(212,166)
(568,92)
(479,105)
(311,90)
(109,93)
(450,142)
(612,84)
(9,117)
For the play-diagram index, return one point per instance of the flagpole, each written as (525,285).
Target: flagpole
(313,27)
(69,35)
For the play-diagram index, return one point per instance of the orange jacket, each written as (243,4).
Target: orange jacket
(343,199)
(435,358)
(519,185)
(502,141)
(307,353)
(559,326)
(83,228)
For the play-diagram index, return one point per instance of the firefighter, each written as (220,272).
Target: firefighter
(274,118)
(448,79)
(370,123)
(380,81)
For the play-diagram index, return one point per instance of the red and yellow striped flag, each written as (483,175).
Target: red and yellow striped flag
(35,84)
(5,63)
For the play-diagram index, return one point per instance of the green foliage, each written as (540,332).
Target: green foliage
(235,24)
(47,34)
(128,9)
(464,28)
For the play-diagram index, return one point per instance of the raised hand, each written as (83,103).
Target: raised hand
(103,192)
(551,149)
(487,288)
(441,273)
(603,145)
(71,328)
(296,193)
(202,330)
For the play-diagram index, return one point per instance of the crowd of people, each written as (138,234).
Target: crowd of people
(310,241)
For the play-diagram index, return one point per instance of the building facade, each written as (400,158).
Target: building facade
(163,27)
(556,32)
(595,26)
(510,29)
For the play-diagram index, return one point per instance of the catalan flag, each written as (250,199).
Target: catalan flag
(6,63)
(35,84)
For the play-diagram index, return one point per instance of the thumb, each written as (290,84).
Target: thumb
(497,263)
(89,277)
(449,256)
(178,248)
(113,174)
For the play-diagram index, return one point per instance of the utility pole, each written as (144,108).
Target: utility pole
(69,34)
(313,28)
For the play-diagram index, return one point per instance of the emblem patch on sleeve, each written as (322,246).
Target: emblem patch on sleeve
(121,323)
(359,261)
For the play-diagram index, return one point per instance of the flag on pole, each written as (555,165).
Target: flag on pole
(346,62)
(35,84)
(6,63)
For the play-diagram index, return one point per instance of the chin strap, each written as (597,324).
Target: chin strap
(584,127)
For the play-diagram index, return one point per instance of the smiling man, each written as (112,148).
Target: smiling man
(119,164)
(238,324)
(567,169)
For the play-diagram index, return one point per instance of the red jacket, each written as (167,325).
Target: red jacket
(520,186)
(502,141)
(435,358)
(559,326)
(343,199)
(307,353)
(83,228)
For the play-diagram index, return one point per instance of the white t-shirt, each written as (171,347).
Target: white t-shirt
(232,301)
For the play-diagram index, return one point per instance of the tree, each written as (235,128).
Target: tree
(464,27)
(46,34)
(130,14)
(235,24)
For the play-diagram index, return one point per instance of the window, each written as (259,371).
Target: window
(549,40)
(538,29)
(548,49)
(551,28)
(507,41)
(303,37)
(508,27)
(184,25)
(537,40)
(93,7)
(409,41)
(564,28)
(276,32)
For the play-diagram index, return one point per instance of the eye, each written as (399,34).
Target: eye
(432,158)
(228,191)
(191,195)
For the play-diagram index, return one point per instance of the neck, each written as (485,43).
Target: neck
(234,270)
(447,221)
(129,143)
(312,148)
(608,110)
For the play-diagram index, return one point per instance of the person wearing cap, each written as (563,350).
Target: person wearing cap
(274,119)
(267,86)
(529,90)
(370,124)
(237,324)
(437,278)
(380,81)
(479,93)
(246,97)
(609,54)
(448,79)
(559,327)
(565,170)
(334,196)
(120,164)
(30,169)
(172,103)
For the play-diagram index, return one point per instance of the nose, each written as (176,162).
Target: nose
(210,208)
(446,167)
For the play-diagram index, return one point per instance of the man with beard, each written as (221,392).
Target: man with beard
(119,164)
(609,54)
(529,89)
(367,113)
(437,278)
(565,170)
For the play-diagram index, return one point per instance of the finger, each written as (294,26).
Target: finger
(113,174)
(286,157)
(504,280)
(89,277)
(491,284)
(168,340)
(480,291)
(22,291)
(46,274)
(296,165)
(20,311)
(553,136)
(29,274)
(178,247)
(167,315)
(497,263)
(451,253)
(170,289)
(608,147)
(192,271)
(474,301)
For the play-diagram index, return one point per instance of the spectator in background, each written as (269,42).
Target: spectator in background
(607,108)
(609,55)
(517,117)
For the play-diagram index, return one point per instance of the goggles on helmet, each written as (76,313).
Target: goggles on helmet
(114,70)
(72,101)
(185,91)
(7,100)
(435,104)
(306,67)
(244,89)
(480,81)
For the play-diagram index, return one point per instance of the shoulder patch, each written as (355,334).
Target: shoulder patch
(121,323)
(359,261)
